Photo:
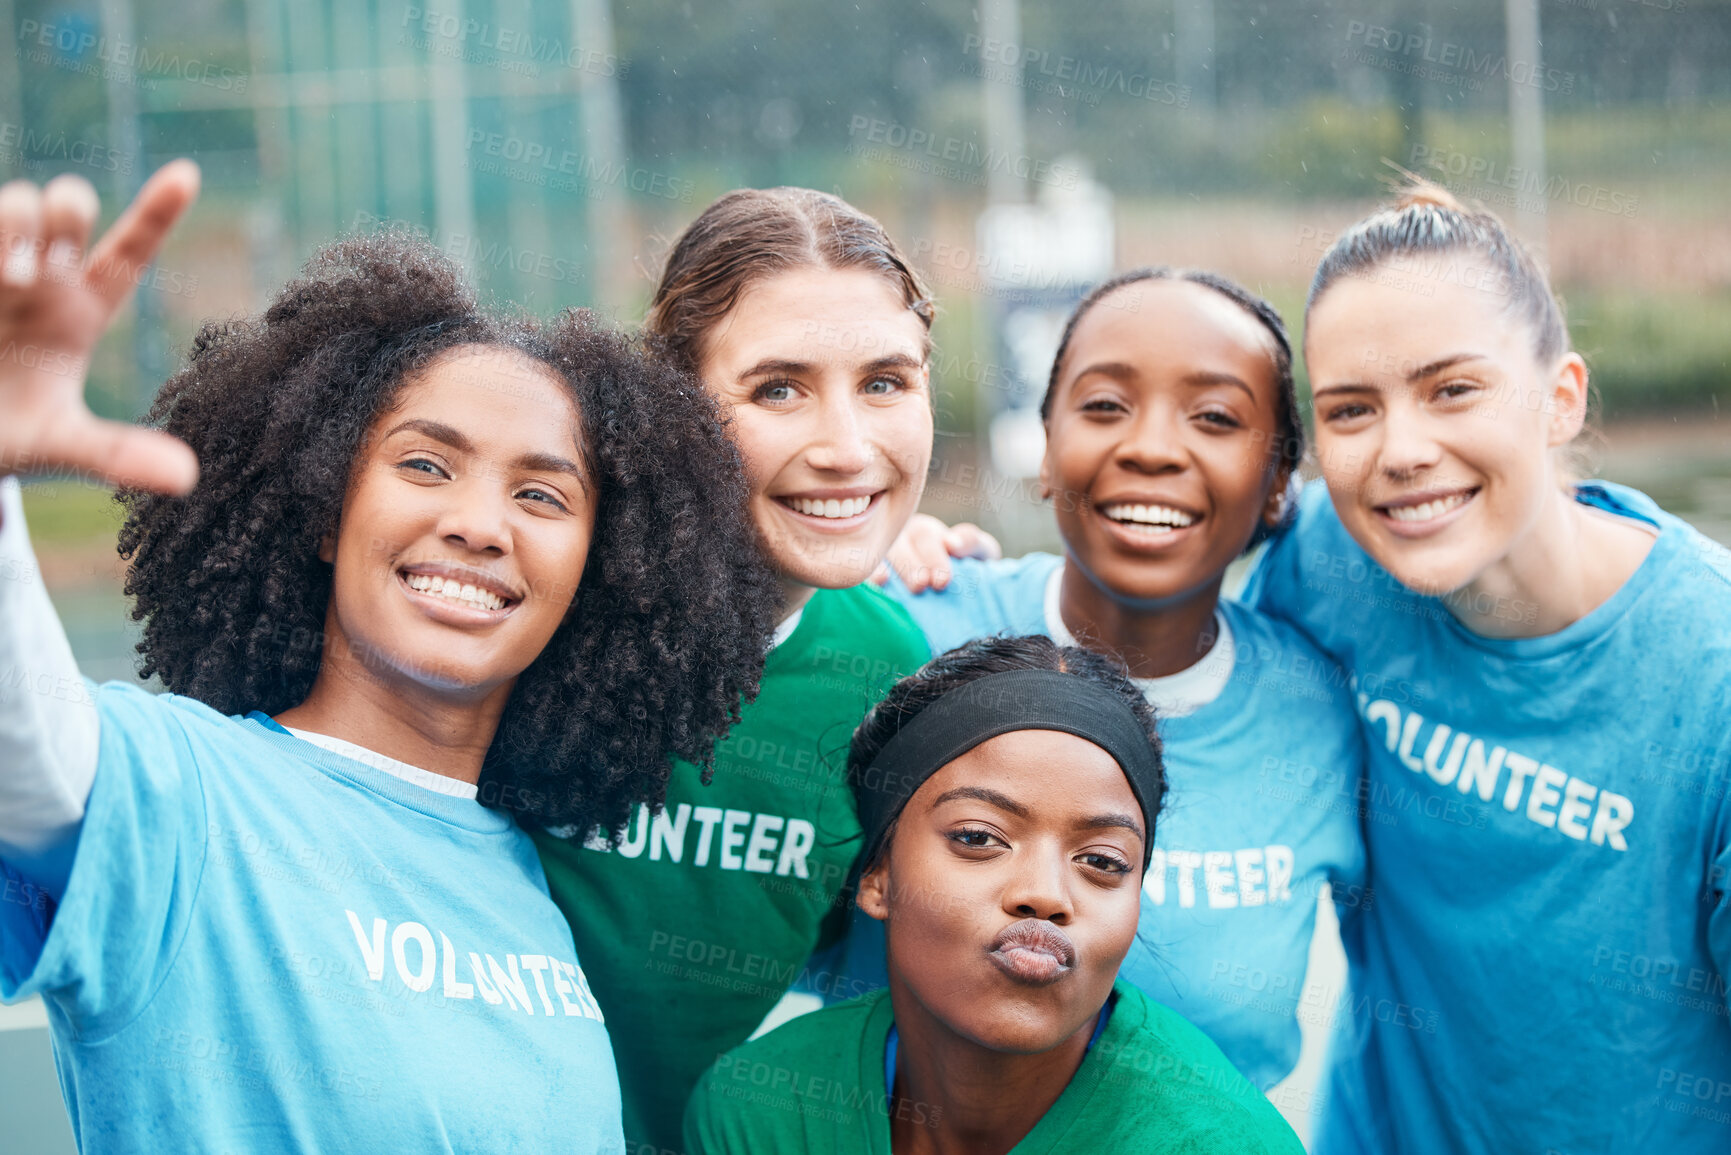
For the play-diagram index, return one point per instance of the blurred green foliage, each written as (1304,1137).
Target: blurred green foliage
(1652,352)
(70,512)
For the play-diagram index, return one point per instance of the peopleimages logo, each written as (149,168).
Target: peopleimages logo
(1422,55)
(547,166)
(518,50)
(1069,76)
(953,156)
(20,145)
(121,59)
(1523,188)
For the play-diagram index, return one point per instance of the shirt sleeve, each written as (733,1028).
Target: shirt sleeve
(48,723)
(104,948)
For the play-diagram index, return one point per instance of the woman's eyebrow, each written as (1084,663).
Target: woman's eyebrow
(1117,370)
(553,463)
(1441,363)
(893,361)
(776,365)
(549,463)
(1103,821)
(1343,387)
(1209,378)
(982,794)
(437,430)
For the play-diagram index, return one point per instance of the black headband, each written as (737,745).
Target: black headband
(997,704)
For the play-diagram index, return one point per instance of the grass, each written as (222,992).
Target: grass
(1653,352)
(70,513)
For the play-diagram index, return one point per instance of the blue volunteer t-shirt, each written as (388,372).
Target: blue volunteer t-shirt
(268,947)
(1259,818)
(1549,838)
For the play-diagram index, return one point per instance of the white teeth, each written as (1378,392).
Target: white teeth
(830,507)
(1153,515)
(1429,510)
(455,591)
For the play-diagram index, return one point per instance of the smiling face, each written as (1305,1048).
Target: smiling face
(1161,446)
(1434,421)
(825,373)
(1011,893)
(465,527)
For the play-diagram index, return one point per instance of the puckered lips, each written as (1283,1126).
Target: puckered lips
(457,594)
(1424,512)
(832,510)
(1033,952)
(1145,523)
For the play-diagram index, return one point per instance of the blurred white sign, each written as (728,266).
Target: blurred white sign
(1063,238)
(1018,441)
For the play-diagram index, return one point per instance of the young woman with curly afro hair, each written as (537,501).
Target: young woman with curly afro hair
(810,328)
(416,576)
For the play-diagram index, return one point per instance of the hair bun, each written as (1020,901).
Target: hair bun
(1421,193)
(1428,220)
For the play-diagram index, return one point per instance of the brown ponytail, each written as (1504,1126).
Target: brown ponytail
(749,234)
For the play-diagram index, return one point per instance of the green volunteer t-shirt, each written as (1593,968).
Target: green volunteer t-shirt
(695,925)
(1151,1084)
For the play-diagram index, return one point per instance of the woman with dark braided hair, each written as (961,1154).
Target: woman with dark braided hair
(416,575)
(1171,432)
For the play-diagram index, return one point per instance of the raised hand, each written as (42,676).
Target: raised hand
(55,303)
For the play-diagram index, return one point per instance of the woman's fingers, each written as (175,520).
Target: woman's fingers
(117,261)
(969,540)
(122,454)
(69,208)
(919,557)
(54,314)
(905,561)
(20,234)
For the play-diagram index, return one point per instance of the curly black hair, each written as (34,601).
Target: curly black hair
(970,662)
(676,604)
